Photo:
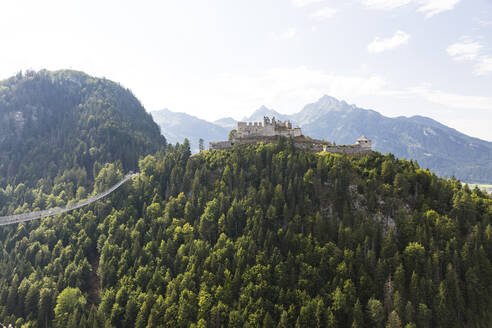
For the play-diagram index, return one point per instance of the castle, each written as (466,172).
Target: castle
(268,131)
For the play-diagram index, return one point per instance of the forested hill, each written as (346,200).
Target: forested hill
(445,151)
(55,122)
(258,236)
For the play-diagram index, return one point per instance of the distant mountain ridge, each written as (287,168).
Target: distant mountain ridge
(227,122)
(263,111)
(178,126)
(444,150)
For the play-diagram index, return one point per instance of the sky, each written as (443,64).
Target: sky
(226,58)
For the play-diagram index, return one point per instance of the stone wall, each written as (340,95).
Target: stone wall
(241,141)
(245,130)
(314,146)
(220,145)
(345,149)
(349,149)
(266,129)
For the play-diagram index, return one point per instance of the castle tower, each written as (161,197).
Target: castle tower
(364,142)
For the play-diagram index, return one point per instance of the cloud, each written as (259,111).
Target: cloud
(427,7)
(470,50)
(300,85)
(484,66)
(452,100)
(380,45)
(285,89)
(434,7)
(290,33)
(288,90)
(464,50)
(303,3)
(324,13)
(386,4)
(483,22)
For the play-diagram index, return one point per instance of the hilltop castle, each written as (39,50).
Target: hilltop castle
(268,131)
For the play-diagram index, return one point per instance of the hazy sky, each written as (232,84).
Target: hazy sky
(226,58)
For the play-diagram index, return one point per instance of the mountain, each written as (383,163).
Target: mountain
(257,236)
(64,121)
(263,111)
(178,126)
(226,122)
(314,112)
(433,145)
(444,150)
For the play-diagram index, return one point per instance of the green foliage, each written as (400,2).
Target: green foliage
(69,303)
(263,236)
(61,125)
(375,312)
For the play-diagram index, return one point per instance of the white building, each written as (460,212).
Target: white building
(363,142)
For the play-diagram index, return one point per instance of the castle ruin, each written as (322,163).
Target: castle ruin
(363,142)
(269,128)
(248,133)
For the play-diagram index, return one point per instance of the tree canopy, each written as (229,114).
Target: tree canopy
(66,125)
(257,236)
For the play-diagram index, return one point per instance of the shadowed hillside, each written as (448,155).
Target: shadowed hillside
(52,122)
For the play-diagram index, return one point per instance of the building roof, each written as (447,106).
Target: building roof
(363,138)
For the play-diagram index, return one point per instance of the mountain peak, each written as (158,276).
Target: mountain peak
(263,111)
(316,110)
(226,122)
(328,99)
(332,103)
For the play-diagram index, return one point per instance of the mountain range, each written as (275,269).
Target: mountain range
(444,150)
(178,126)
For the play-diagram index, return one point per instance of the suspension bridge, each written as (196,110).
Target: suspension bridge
(13,219)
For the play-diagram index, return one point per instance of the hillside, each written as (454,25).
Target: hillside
(445,151)
(53,123)
(258,236)
(179,126)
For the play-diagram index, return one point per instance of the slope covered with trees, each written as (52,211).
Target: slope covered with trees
(258,236)
(66,122)
(443,150)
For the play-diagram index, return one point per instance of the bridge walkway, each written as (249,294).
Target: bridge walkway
(12,219)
